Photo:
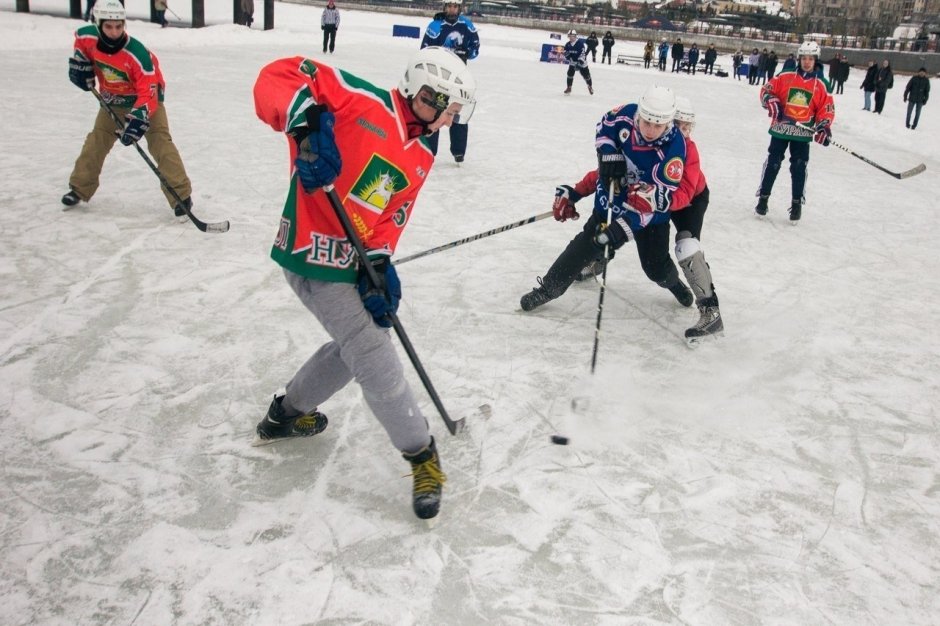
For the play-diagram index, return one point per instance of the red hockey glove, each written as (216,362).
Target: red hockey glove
(823,133)
(563,207)
(641,197)
(774,109)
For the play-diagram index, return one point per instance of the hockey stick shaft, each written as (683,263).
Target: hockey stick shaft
(600,298)
(460,242)
(349,229)
(212,227)
(899,175)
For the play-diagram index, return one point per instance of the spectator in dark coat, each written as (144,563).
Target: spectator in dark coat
(693,59)
(869,84)
(843,74)
(608,43)
(789,64)
(884,81)
(592,47)
(835,66)
(771,64)
(762,67)
(916,94)
(736,62)
(678,51)
(710,55)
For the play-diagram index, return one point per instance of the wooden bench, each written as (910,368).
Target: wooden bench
(630,59)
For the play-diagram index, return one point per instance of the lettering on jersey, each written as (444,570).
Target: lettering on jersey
(329,251)
(112,74)
(401,215)
(283,233)
(791,130)
(308,67)
(379,181)
(372,128)
(673,169)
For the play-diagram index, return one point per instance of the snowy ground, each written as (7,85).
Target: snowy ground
(787,474)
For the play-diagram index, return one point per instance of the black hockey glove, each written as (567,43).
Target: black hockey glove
(615,235)
(612,168)
(137,125)
(81,73)
(381,299)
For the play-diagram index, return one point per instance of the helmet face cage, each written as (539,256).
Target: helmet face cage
(109,10)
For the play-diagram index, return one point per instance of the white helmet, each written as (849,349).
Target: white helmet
(657,105)
(444,72)
(109,10)
(572,33)
(684,110)
(457,2)
(808,49)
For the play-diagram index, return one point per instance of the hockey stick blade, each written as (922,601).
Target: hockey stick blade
(914,171)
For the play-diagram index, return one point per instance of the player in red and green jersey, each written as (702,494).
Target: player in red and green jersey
(372,145)
(799,103)
(130,81)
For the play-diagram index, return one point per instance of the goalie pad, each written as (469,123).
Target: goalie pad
(692,261)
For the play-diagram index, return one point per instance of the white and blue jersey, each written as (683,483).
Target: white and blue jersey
(460,36)
(658,163)
(576,53)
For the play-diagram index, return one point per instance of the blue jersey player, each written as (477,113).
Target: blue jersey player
(450,29)
(576,55)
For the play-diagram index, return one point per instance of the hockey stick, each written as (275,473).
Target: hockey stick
(174,14)
(211,227)
(452,426)
(917,169)
(460,242)
(600,300)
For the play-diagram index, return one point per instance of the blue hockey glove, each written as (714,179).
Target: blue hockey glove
(612,168)
(137,125)
(318,161)
(563,207)
(823,133)
(381,299)
(81,73)
(616,234)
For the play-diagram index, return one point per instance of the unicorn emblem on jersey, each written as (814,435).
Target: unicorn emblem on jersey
(379,192)
(379,181)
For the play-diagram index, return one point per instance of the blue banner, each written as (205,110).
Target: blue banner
(406,31)
(552,53)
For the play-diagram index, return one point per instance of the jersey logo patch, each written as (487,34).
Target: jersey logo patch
(673,169)
(308,67)
(378,182)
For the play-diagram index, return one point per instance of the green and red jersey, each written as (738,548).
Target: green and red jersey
(129,78)
(385,163)
(807,100)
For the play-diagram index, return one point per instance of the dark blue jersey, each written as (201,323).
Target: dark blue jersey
(658,163)
(576,53)
(460,36)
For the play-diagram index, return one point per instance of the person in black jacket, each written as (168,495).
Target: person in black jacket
(771,64)
(592,47)
(843,74)
(693,59)
(710,55)
(916,94)
(884,80)
(678,51)
(608,43)
(868,84)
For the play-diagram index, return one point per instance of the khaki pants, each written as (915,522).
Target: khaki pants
(84,178)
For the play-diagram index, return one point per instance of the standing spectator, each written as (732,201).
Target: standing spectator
(648,53)
(329,24)
(884,80)
(455,32)
(346,132)
(592,46)
(868,84)
(135,94)
(710,55)
(88,7)
(843,76)
(248,12)
(663,53)
(641,156)
(678,53)
(771,64)
(608,43)
(794,123)
(693,59)
(736,62)
(752,62)
(789,64)
(835,66)
(160,6)
(762,67)
(916,94)
(576,56)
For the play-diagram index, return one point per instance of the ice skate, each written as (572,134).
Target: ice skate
(428,481)
(709,325)
(796,211)
(535,298)
(179,210)
(567,90)
(70,199)
(277,425)
(761,208)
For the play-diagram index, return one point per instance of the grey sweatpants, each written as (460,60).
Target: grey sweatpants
(362,350)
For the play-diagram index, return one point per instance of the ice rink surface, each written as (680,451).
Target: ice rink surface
(786,474)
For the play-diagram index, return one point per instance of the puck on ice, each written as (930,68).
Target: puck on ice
(559,440)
